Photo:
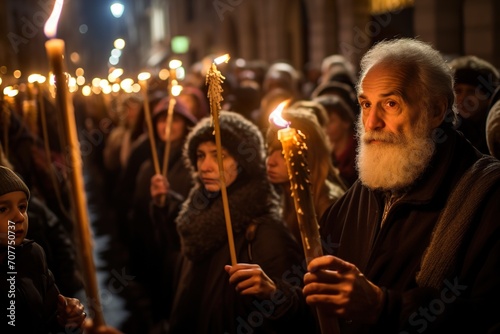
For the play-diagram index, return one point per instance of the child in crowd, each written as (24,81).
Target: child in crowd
(32,301)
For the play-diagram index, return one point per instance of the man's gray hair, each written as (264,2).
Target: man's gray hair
(423,66)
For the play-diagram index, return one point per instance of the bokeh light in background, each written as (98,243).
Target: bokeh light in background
(117,9)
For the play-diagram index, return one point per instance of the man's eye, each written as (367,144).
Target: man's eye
(391,104)
(365,105)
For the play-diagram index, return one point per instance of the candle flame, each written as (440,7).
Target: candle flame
(50,28)
(143,76)
(276,117)
(176,90)
(174,64)
(221,59)
(34,78)
(10,91)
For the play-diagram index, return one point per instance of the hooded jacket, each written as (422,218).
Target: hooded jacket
(205,302)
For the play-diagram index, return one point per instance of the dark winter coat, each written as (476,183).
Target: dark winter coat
(156,278)
(205,302)
(391,256)
(46,229)
(35,292)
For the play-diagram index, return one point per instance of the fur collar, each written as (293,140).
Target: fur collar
(201,223)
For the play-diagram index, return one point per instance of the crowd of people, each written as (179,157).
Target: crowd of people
(404,176)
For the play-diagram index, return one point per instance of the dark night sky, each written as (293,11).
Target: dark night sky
(96,44)
(24,19)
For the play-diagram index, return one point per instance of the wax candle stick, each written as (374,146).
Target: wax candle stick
(214,80)
(143,80)
(6,124)
(175,91)
(295,153)
(55,53)
(168,127)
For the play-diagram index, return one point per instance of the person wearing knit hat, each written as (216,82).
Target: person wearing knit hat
(182,122)
(475,81)
(237,137)
(11,186)
(180,109)
(213,296)
(10,182)
(33,301)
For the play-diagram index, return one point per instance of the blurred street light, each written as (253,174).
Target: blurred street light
(117,9)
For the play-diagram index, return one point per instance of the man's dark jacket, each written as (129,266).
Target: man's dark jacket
(391,256)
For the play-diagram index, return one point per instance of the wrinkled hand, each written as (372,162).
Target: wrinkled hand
(159,188)
(70,312)
(250,279)
(341,290)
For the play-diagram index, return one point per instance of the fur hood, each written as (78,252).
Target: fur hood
(240,137)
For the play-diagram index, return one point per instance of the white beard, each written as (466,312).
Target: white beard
(397,161)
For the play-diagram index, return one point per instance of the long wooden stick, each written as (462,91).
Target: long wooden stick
(168,126)
(55,51)
(168,142)
(295,150)
(214,79)
(168,130)
(149,123)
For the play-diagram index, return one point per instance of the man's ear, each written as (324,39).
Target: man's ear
(441,106)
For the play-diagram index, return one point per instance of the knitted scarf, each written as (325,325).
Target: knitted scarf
(201,222)
(440,258)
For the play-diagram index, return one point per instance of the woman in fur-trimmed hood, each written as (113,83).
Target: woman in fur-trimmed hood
(262,292)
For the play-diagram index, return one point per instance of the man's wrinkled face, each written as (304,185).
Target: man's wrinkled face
(394,131)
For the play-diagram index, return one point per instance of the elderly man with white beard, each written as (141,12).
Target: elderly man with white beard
(414,245)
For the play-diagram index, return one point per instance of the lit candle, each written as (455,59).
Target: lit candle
(175,91)
(55,53)
(30,110)
(173,65)
(143,80)
(5,120)
(295,153)
(214,80)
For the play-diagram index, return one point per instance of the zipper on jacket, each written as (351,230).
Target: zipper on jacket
(389,203)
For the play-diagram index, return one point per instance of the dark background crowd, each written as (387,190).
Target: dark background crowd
(134,257)
(117,158)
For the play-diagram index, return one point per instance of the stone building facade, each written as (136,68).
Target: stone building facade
(305,31)
(301,32)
